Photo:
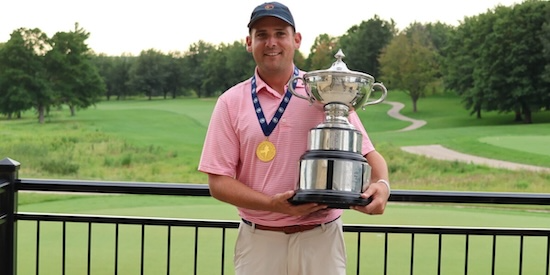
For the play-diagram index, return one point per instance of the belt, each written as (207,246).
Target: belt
(290,229)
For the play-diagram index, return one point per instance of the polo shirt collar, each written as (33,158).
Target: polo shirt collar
(261,86)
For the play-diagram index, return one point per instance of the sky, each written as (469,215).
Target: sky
(119,27)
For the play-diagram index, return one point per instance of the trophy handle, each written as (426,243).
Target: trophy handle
(382,97)
(291,89)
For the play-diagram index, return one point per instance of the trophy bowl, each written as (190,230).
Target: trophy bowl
(333,170)
(338,84)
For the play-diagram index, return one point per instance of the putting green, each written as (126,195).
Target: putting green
(531,144)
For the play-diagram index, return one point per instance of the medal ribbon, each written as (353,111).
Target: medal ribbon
(268,128)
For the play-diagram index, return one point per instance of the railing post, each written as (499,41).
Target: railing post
(8,208)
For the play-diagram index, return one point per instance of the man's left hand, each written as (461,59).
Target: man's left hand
(379,193)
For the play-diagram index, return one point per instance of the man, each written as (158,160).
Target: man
(251,153)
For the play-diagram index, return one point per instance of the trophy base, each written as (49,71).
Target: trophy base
(332,198)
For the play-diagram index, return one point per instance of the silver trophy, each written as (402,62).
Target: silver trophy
(333,170)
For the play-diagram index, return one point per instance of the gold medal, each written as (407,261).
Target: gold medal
(266,151)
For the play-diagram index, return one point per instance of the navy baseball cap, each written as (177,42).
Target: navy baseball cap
(274,9)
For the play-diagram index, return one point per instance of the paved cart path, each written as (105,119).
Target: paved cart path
(437,151)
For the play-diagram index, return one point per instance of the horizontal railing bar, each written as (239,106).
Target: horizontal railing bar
(125,220)
(113,187)
(187,189)
(470,197)
(235,224)
(501,231)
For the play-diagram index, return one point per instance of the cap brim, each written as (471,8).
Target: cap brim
(276,16)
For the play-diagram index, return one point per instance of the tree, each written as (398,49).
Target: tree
(498,62)
(300,61)
(459,63)
(195,56)
(115,71)
(23,76)
(214,72)
(121,79)
(12,98)
(174,79)
(439,34)
(75,78)
(409,63)
(363,44)
(239,64)
(104,65)
(322,52)
(150,73)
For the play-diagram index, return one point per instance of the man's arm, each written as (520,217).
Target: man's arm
(234,192)
(377,190)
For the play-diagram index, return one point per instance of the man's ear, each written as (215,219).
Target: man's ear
(297,40)
(248,44)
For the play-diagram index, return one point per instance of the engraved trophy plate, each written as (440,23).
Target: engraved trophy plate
(333,171)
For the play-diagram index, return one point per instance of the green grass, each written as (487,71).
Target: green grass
(528,144)
(451,126)
(156,141)
(170,123)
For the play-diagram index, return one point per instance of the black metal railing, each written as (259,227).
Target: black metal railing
(168,260)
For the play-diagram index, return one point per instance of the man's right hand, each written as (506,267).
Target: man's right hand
(281,204)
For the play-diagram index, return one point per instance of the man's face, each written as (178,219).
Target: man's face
(272,43)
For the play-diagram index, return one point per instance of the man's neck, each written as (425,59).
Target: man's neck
(277,81)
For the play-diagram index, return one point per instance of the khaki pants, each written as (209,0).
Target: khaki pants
(318,251)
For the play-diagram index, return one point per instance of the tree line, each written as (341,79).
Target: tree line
(495,61)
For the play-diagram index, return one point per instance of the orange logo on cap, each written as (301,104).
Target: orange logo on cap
(269,7)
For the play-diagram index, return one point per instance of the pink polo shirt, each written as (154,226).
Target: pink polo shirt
(234,133)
